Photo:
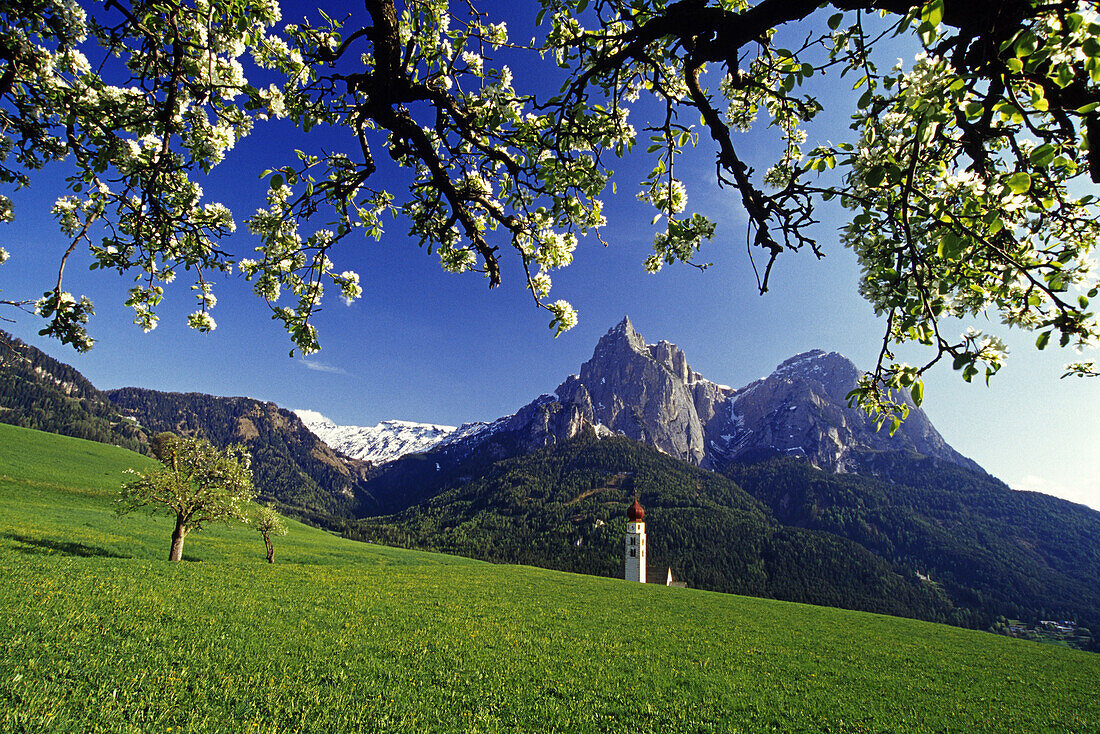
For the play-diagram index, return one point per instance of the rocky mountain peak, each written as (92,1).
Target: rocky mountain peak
(620,341)
(833,371)
(651,394)
(645,392)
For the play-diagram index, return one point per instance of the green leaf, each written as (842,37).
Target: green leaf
(951,246)
(1041,342)
(276,181)
(1027,44)
(1019,183)
(932,13)
(917,392)
(1042,156)
(835,20)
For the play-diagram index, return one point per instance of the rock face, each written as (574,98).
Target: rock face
(651,394)
(801,409)
(647,393)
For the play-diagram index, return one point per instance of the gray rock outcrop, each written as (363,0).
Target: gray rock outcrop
(651,394)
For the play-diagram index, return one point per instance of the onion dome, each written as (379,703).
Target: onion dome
(635,513)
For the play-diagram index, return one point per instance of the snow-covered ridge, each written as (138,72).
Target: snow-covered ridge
(379,444)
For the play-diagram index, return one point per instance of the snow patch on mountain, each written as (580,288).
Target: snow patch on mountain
(379,444)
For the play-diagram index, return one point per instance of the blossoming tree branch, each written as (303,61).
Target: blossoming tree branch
(965,170)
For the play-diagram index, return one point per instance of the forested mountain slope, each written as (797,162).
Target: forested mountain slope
(37,391)
(563,507)
(289,463)
(997,550)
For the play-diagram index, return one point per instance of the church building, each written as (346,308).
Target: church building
(635,542)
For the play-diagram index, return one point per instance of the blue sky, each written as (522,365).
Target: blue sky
(429,346)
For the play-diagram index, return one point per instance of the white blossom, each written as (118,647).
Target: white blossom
(201,321)
(473,62)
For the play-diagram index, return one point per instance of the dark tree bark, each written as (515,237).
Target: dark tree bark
(270,548)
(178,536)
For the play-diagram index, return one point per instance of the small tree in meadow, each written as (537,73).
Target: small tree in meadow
(268,523)
(198,482)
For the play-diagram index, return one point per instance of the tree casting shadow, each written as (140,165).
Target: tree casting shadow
(45,546)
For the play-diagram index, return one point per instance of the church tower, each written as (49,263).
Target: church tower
(635,542)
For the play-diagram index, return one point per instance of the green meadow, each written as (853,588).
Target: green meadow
(99,633)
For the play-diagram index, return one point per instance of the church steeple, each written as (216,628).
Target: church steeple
(635,542)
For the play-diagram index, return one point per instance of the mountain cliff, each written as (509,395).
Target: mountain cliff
(801,409)
(646,392)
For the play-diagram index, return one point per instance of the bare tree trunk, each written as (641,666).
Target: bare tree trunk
(270,548)
(177,540)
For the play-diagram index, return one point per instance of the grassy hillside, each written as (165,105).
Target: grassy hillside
(98,633)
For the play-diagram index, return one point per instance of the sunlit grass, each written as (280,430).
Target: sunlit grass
(99,633)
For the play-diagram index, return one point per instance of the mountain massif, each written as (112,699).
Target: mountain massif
(650,394)
(777,488)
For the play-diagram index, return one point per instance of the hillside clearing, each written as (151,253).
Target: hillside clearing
(99,633)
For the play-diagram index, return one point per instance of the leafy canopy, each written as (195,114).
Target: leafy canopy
(268,522)
(965,171)
(198,483)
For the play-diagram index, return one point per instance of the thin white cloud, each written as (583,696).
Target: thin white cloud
(311,364)
(1088,493)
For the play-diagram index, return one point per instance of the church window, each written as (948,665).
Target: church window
(633,540)
(631,552)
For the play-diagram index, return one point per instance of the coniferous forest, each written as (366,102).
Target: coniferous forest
(41,393)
